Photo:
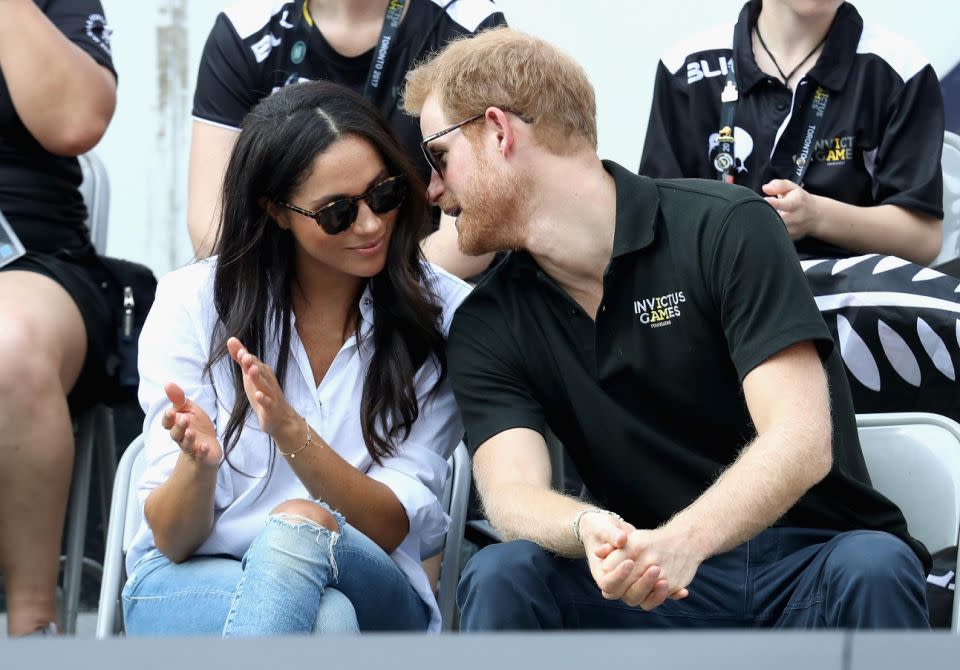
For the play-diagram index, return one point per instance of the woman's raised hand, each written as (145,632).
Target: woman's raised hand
(263,391)
(191,428)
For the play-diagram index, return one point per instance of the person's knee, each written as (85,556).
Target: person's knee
(504,567)
(873,559)
(29,370)
(308,511)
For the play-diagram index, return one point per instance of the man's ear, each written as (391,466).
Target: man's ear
(274,213)
(506,137)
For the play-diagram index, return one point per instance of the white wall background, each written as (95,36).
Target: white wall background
(157,46)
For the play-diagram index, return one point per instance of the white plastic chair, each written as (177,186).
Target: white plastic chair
(126,516)
(93,429)
(948,260)
(914,460)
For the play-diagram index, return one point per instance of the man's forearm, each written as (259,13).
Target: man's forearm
(540,515)
(768,478)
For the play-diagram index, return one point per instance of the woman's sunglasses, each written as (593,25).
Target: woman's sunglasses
(335,217)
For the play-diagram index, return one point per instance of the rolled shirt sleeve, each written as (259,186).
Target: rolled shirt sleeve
(172,348)
(418,471)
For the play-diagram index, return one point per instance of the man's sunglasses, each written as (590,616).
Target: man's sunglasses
(435,160)
(335,217)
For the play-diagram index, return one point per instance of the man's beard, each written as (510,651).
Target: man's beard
(491,218)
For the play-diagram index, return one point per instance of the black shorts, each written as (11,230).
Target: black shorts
(85,280)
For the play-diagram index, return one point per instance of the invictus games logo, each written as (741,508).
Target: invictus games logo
(833,151)
(820,101)
(659,311)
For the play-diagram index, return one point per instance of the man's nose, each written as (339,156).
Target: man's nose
(435,189)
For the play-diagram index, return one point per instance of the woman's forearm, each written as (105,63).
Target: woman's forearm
(369,505)
(884,229)
(180,511)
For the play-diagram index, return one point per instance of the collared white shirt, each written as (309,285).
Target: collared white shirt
(175,345)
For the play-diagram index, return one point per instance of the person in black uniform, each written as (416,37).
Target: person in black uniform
(57,95)
(255,47)
(665,333)
(839,124)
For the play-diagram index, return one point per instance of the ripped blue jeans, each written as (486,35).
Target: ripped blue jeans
(296,578)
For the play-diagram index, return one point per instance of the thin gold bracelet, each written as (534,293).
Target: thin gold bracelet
(307,442)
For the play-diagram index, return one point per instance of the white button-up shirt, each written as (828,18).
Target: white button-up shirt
(175,345)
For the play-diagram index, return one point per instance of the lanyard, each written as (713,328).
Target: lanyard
(723,154)
(388,34)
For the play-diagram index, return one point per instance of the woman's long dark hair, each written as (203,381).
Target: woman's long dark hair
(254,273)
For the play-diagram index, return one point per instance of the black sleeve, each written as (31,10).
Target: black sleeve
(83,23)
(907,170)
(764,300)
(227,86)
(667,150)
(488,381)
(493,21)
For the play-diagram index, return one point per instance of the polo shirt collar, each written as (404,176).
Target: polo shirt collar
(638,203)
(832,66)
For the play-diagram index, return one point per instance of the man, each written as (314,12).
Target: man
(664,331)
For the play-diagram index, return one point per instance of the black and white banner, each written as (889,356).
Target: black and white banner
(898,328)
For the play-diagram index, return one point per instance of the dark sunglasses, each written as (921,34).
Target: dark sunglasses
(435,160)
(335,217)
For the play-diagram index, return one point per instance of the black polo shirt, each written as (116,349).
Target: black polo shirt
(879,141)
(703,286)
(247,57)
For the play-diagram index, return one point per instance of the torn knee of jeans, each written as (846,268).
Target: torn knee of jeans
(298,521)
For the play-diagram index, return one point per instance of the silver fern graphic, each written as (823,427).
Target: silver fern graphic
(861,361)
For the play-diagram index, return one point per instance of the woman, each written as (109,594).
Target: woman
(309,413)
(256,47)
(839,125)
(57,96)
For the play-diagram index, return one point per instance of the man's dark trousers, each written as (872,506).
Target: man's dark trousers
(782,578)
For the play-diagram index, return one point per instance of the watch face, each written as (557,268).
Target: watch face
(10,246)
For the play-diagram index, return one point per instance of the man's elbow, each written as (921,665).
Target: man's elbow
(820,461)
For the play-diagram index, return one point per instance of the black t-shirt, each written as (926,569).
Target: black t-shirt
(703,286)
(878,143)
(247,56)
(39,190)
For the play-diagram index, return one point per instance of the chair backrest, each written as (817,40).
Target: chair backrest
(914,460)
(95,190)
(123,522)
(456,499)
(125,506)
(950,162)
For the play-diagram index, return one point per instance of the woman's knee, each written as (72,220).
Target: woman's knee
(43,340)
(307,510)
(29,370)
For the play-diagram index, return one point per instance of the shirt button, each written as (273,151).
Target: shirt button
(781,106)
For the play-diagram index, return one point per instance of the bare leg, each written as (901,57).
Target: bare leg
(42,346)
